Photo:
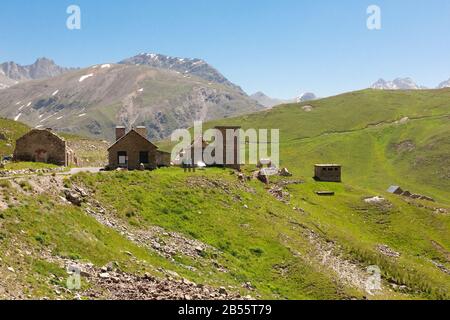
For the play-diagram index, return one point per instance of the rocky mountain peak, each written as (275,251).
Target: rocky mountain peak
(445,84)
(186,66)
(307,96)
(397,84)
(43,68)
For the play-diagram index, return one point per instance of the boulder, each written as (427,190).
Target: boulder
(375,200)
(73,197)
(285,173)
(263,178)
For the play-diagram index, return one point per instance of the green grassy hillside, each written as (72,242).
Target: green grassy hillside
(214,230)
(364,132)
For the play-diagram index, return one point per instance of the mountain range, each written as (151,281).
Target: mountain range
(43,68)
(163,96)
(404,84)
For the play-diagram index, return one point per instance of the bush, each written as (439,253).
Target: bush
(257,251)
(25,185)
(5,184)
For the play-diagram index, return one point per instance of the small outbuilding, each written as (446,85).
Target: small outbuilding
(44,146)
(395,190)
(328,172)
(134,151)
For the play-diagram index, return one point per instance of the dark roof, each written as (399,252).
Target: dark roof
(328,165)
(130,132)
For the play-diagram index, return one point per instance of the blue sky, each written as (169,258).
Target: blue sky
(281,47)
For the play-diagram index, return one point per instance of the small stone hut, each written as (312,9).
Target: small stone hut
(44,146)
(328,172)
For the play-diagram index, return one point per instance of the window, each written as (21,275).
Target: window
(143,157)
(122,157)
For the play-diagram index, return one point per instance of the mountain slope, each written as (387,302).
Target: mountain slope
(92,101)
(6,82)
(381,138)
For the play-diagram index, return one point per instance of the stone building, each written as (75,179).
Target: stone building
(44,146)
(231,146)
(133,150)
(328,172)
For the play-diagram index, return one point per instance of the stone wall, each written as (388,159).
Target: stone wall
(163,159)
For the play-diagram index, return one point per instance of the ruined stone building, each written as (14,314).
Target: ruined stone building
(44,146)
(231,146)
(132,150)
(328,172)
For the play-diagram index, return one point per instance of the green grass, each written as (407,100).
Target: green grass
(39,223)
(10,131)
(252,248)
(262,240)
(29,165)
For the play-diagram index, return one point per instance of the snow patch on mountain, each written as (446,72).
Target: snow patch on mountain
(86,77)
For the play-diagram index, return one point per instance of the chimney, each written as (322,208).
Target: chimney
(142,131)
(120,132)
